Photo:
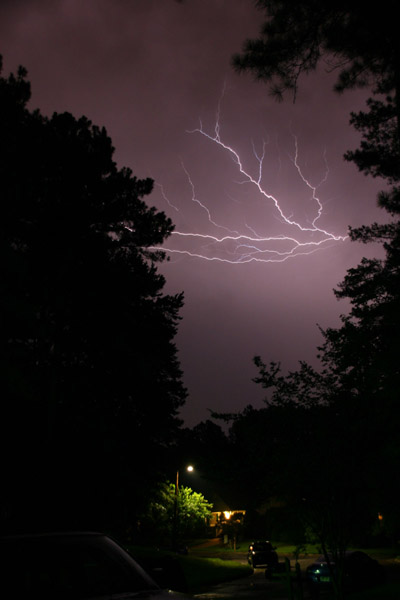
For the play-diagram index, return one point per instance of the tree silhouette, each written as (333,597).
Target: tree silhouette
(353,38)
(357,391)
(90,379)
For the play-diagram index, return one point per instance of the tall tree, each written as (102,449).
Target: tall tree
(360,365)
(363,45)
(363,352)
(91,384)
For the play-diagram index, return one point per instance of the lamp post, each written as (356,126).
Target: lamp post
(189,469)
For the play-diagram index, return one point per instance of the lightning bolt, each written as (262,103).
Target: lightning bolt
(238,248)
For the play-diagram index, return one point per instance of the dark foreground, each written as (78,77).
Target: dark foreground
(257,587)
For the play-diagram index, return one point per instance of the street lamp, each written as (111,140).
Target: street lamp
(189,469)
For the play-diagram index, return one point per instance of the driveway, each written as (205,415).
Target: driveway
(254,587)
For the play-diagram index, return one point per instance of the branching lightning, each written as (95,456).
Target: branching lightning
(236,247)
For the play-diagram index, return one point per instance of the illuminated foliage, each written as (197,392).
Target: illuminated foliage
(193,511)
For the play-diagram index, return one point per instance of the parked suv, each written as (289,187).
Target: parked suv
(262,554)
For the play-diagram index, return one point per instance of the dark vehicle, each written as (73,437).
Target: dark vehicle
(72,566)
(359,571)
(262,554)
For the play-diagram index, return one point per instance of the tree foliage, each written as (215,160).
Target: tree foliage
(89,371)
(192,513)
(341,422)
(351,37)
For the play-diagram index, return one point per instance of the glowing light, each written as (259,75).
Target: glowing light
(227,514)
(299,237)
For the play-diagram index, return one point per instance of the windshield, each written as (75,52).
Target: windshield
(69,568)
(261,546)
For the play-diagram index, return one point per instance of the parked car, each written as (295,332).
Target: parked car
(262,554)
(72,566)
(359,571)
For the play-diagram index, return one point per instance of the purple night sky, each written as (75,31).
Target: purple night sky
(155,71)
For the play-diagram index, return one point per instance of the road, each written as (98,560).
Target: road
(257,587)
(254,587)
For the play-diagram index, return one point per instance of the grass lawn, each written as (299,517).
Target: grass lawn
(202,572)
(187,573)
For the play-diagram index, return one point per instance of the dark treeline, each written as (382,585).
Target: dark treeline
(338,432)
(89,378)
